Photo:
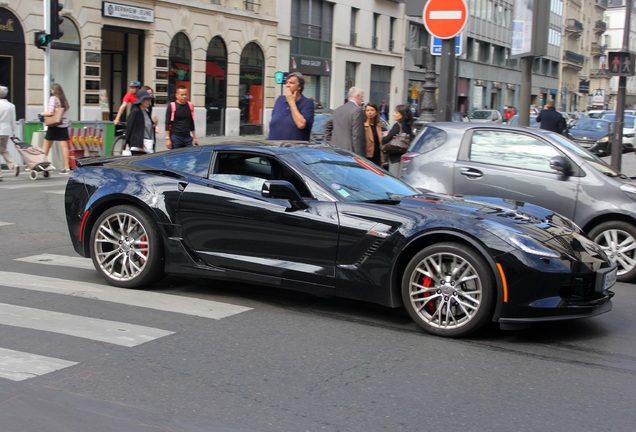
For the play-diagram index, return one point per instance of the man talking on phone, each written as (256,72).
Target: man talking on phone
(293,114)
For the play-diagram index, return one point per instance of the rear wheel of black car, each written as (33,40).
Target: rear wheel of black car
(448,290)
(126,247)
(618,240)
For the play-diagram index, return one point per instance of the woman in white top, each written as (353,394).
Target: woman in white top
(60,132)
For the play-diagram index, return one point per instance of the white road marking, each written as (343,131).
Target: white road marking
(60,260)
(118,333)
(18,366)
(145,299)
(6,223)
(31,184)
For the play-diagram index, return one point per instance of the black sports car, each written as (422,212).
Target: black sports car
(325,221)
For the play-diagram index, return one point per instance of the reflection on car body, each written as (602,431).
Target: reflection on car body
(325,221)
(530,165)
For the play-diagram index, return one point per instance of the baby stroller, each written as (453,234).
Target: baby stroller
(33,157)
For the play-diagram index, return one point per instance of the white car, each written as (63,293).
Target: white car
(629,129)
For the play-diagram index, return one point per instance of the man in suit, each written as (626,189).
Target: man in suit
(551,119)
(345,128)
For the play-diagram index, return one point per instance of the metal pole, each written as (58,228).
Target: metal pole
(446,101)
(525,90)
(617,135)
(46,81)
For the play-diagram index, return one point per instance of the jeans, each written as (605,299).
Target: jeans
(179,141)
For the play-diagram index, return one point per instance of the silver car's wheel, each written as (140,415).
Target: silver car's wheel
(448,290)
(126,247)
(618,240)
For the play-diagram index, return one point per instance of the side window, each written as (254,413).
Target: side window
(244,170)
(194,163)
(511,149)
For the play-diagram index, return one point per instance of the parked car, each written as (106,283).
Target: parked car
(485,116)
(323,220)
(593,134)
(629,130)
(533,123)
(456,116)
(530,165)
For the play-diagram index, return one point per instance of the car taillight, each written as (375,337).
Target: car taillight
(406,159)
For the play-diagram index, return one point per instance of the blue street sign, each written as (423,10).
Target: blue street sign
(436,45)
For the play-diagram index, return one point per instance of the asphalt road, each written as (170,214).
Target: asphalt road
(195,355)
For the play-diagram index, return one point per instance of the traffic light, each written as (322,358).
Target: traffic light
(55,19)
(42,39)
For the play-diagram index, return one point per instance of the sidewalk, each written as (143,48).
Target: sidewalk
(206,140)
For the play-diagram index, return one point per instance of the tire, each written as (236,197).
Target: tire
(449,290)
(33,175)
(126,247)
(618,240)
(118,145)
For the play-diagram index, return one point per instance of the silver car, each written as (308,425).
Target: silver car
(530,165)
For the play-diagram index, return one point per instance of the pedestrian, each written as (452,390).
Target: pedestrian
(7,129)
(128,100)
(140,131)
(293,114)
(403,121)
(373,133)
(345,128)
(509,113)
(551,119)
(180,121)
(384,111)
(58,133)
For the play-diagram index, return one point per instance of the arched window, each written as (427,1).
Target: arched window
(216,86)
(179,67)
(251,90)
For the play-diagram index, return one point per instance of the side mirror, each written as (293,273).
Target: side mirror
(562,166)
(282,189)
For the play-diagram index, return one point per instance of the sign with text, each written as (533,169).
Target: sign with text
(134,13)
(436,45)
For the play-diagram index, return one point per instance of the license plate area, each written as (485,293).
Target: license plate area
(606,278)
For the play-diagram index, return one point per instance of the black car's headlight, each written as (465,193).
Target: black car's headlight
(521,241)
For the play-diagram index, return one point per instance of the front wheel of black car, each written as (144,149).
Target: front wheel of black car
(448,290)
(126,247)
(618,240)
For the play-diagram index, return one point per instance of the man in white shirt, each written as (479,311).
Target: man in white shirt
(7,129)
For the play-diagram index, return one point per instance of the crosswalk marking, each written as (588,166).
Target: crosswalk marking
(33,184)
(19,366)
(59,260)
(146,299)
(6,223)
(118,333)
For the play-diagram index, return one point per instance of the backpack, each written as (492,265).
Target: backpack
(173,109)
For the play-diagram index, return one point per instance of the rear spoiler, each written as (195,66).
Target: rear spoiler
(95,160)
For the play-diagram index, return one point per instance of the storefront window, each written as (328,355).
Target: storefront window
(179,73)
(251,90)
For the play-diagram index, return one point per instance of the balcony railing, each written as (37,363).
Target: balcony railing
(599,73)
(601,4)
(574,26)
(597,49)
(574,59)
(600,26)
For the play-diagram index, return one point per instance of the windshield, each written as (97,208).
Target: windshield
(351,177)
(589,124)
(597,163)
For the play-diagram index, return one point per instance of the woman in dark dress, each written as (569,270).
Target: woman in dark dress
(403,121)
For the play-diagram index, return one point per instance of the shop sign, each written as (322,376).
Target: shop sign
(309,65)
(133,13)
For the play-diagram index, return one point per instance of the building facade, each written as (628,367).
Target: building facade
(222,50)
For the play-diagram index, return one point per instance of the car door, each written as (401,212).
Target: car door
(513,165)
(231,226)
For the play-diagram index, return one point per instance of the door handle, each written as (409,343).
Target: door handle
(471,172)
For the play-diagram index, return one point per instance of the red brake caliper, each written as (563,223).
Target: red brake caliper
(427,282)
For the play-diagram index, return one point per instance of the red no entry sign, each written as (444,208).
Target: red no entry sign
(445,19)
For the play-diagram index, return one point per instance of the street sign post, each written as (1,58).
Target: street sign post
(445,19)
(436,45)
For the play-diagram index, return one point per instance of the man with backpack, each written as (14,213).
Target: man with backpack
(180,121)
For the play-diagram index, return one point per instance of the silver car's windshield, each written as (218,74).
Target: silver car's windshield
(594,161)
(353,178)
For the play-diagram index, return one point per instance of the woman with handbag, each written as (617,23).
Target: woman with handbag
(140,130)
(395,142)
(373,132)
(57,125)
